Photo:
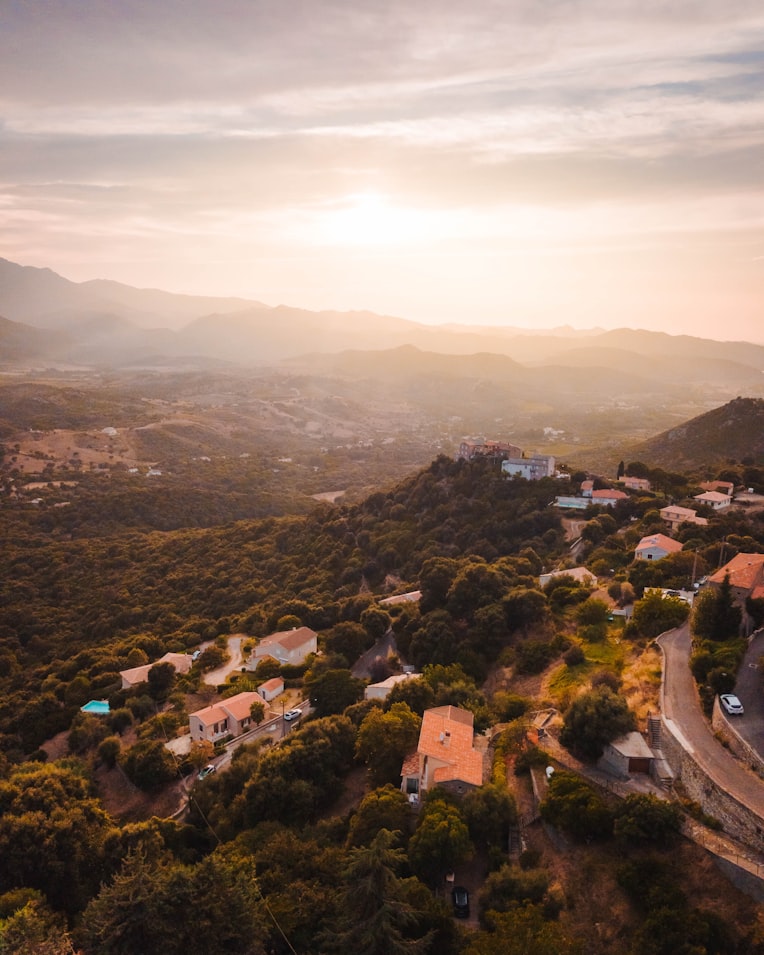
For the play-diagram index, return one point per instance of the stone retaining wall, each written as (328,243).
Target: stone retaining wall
(737,820)
(727,732)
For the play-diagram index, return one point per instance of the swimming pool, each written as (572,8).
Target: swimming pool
(99,707)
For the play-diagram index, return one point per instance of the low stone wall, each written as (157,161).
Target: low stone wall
(727,732)
(737,820)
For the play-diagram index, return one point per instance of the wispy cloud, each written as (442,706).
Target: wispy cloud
(138,133)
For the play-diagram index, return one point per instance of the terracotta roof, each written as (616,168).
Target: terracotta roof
(711,496)
(659,540)
(236,706)
(239,706)
(274,683)
(727,486)
(181,662)
(411,765)
(210,714)
(289,639)
(746,571)
(446,736)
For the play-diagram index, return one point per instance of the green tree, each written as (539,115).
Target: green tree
(441,841)
(643,818)
(53,834)
(348,639)
(715,615)
(376,622)
(525,607)
(331,691)
(509,886)
(377,918)
(594,719)
(148,764)
(160,906)
(385,738)
(592,612)
(435,578)
(109,750)
(574,806)
(160,679)
(200,753)
(383,808)
(35,930)
(476,585)
(416,693)
(489,811)
(654,614)
(524,931)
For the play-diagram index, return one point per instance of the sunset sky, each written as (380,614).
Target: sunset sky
(522,162)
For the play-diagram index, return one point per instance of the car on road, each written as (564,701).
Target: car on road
(460,898)
(731,704)
(207,770)
(293,714)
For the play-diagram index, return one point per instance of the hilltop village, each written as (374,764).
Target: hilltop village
(467,685)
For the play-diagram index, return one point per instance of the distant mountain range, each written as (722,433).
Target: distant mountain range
(584,395)
(104,322)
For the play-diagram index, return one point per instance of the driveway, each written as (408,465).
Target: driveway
(216,677)
(682,711)
(384,647)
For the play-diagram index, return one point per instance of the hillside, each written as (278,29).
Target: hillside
(730,434)
(78,608)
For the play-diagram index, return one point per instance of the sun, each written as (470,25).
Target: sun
(370,219)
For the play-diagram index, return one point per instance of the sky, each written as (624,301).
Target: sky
(530,163)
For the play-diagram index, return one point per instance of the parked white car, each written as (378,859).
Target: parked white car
(731,704)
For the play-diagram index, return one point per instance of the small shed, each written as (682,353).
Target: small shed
(271,688)
(627,754)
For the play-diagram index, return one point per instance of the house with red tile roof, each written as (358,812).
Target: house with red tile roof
(635,483)
(445,754)
(135,675)
(746,574)
(655,547)
(714,499)
(674,515)
(229,717)
(286,646)
(724,487)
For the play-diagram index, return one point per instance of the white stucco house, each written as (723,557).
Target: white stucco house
(286,646)
(655,547)
(229,717)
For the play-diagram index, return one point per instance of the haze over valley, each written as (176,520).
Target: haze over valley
(381,478)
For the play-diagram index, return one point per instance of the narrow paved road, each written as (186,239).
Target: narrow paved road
(749,688)
(216,677)
(682,711)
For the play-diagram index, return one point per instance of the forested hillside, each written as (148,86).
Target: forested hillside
(309,846)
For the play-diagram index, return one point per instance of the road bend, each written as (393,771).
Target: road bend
(683,713)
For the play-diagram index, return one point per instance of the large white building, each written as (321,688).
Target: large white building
(531,468)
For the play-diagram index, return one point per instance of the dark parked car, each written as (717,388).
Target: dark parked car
(461,899)
(206,771)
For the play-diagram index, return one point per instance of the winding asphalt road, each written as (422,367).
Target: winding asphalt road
(682,711)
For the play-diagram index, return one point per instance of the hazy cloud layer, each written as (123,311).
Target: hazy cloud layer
(487,161)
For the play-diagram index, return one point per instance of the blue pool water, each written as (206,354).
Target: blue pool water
(96,706)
